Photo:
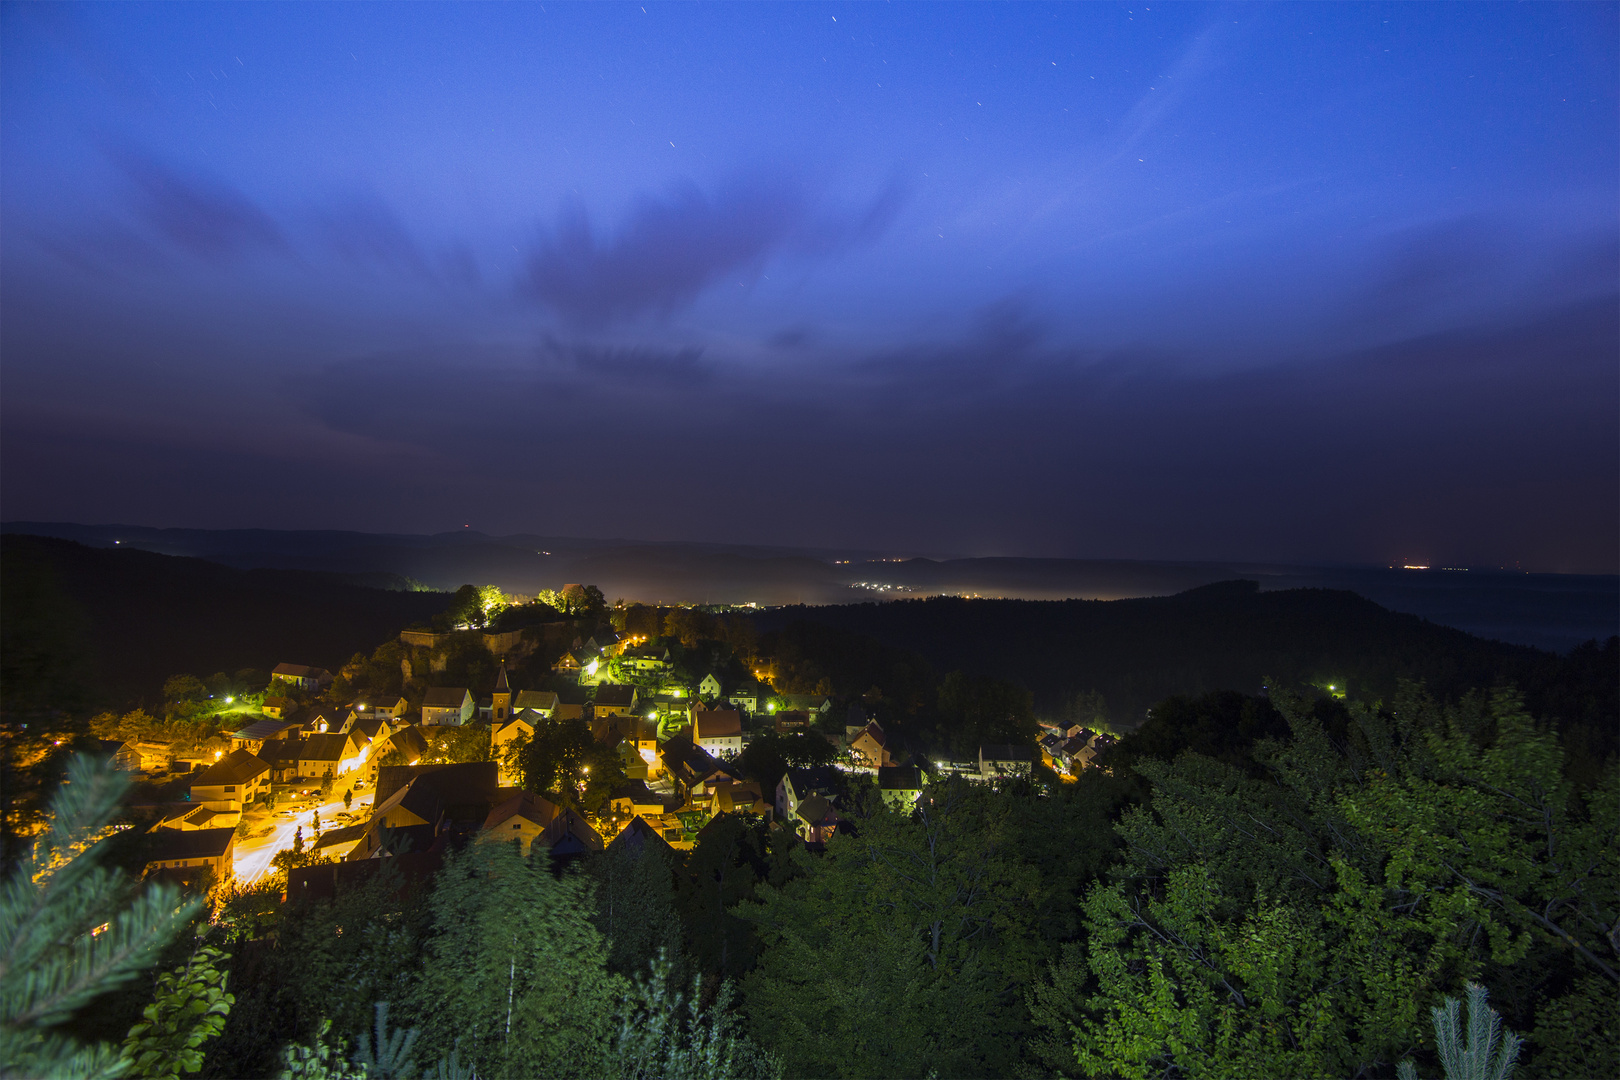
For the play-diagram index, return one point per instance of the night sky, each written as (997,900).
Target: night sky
(1322,283)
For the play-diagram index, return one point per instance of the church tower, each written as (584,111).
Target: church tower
(501,702)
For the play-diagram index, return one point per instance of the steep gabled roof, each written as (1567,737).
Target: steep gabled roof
(717,723)
(815,809)
(333,837)
(876,734)
(369,728)
(410,742)
(264,729)
(327,747)
(164,845)
(446,697)
(540,700)
(639,837)
(900,778)
(540,811)
(501,685)
(614,694)
(236,767)
(467,782)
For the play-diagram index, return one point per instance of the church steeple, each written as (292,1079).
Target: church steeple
(501,701)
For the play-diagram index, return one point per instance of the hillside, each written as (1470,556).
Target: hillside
(87,627)
(1229,636)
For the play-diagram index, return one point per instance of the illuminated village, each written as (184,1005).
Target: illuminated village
(303,780)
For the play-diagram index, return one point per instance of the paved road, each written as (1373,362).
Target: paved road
(254,854)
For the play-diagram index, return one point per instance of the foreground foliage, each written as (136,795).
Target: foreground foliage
(1300,922)
(72,930)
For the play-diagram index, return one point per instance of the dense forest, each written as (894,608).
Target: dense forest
(98,627)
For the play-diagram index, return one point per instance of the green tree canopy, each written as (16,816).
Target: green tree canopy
(514,972)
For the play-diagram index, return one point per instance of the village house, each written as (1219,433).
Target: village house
(202,817)
(719,731)
(375,710)
(447,706)
(530,820)
(253,737)
(325,720)
(900,785)
(815,820)
(281,755)
(797,785)
(693,768)
(372,730)
(415,803)
(580,663)
(638,735)
(337,844)
(123,755)
(871,747)
(997,761)
(309,679)
(543,702)
(647,659)
(612,700)
(277,707)
(641,834)
(516,732)
(635,799)
(674,708)
(737,797)
(792,720)
(407,743)
(210,850)
(709,688)
(232,782)
(331,754)
(605,640)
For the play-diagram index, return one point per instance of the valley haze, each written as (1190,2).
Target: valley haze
(1549,611)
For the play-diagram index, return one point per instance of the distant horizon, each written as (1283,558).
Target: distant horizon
(869,554)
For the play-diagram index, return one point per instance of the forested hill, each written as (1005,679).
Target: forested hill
(1228,636)
(86,627)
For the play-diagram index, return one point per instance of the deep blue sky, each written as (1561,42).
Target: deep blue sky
(1321,282)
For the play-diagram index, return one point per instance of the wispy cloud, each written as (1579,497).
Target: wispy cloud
(671,247)
(197,214)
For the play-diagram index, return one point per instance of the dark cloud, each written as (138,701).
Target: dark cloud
(199,215)
(674,246)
